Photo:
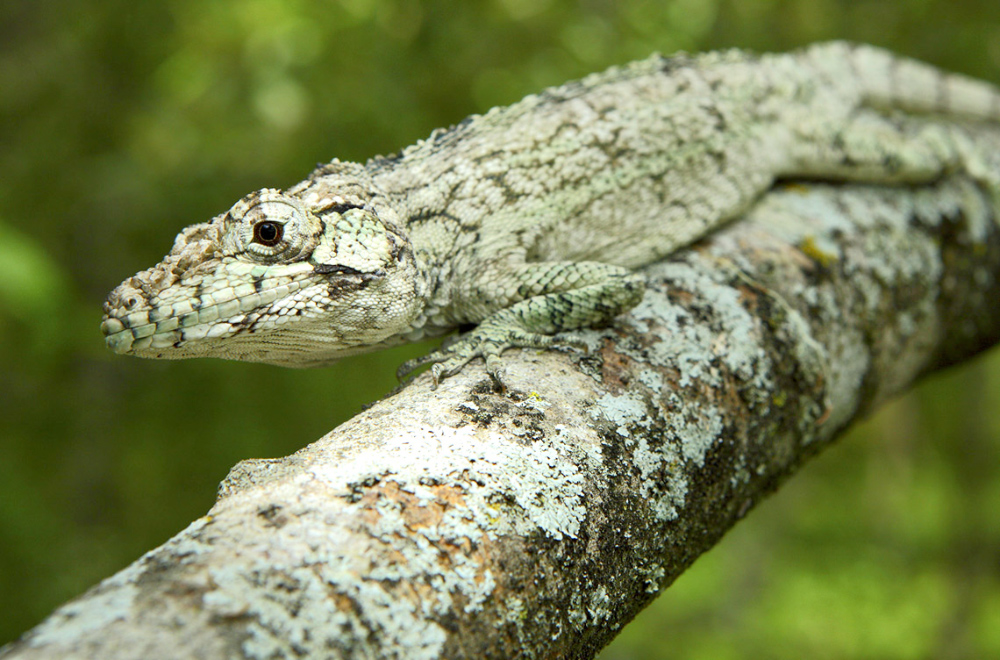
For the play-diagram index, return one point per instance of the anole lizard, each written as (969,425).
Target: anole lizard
(527,220)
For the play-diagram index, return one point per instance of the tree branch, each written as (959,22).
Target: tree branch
(464,522)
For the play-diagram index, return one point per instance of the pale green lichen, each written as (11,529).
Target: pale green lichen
(692,348)
(114,599)
(534,476)
(600,606)
(287,606)
(651,379)
(623,410)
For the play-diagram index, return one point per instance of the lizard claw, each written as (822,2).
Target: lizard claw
(408,367)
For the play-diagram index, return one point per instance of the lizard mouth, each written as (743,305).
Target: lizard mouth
(170,326)
(150,312)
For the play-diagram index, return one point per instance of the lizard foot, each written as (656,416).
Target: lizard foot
(487,341)
(558,296)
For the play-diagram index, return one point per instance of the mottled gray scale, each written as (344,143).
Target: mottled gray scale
(525,220)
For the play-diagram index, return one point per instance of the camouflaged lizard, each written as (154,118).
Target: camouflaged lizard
(526,221)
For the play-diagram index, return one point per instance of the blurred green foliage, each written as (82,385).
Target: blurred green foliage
(122,121)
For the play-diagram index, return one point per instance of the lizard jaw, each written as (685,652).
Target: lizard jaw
(146,320)
(158,325)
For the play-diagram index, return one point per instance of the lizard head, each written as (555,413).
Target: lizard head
(287,279)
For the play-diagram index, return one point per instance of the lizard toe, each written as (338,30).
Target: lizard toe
(486,341)
(408,367)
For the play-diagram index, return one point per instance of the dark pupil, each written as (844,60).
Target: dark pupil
(267,233)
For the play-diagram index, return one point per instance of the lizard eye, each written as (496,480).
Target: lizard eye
(269,227)
(268,233)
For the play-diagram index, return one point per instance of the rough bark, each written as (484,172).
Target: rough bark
(464,522)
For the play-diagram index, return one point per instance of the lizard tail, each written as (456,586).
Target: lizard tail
(889,81)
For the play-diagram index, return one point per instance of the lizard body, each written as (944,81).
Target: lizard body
(527,220)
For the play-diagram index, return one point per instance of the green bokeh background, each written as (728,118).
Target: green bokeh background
(122,121)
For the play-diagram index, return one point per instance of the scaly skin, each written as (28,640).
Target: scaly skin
(528,219)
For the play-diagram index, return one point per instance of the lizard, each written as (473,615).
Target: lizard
(530,219)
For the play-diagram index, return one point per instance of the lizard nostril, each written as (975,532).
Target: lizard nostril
(131,302)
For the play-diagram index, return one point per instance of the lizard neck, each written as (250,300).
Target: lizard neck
(337,185)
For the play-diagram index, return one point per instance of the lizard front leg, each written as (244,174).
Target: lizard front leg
(542,299)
